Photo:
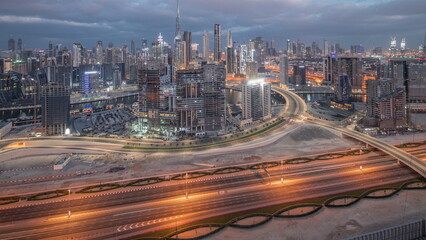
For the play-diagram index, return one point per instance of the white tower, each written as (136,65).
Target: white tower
(403,44)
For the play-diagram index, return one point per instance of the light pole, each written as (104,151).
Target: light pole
(186,185)
(69,208)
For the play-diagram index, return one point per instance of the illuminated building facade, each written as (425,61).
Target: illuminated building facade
(256,99)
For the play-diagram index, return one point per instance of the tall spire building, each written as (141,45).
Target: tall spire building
(178,56)
(177,33)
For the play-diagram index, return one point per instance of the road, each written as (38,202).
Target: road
(107,216)
(137,210)
(413,162)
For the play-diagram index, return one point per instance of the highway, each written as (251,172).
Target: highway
(106,216)
(413,162)
(136,210)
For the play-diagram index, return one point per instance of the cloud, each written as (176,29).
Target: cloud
(367,22)
(33,20)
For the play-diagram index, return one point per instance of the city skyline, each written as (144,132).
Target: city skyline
(372,22)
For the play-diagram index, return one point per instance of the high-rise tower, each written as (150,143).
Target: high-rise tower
(229,39)
(11,44)
(206,48)
(393,45)
(99,52)
(178,55)
(177,33)
(403,44)
(217,43)
(20,45)
(326,48)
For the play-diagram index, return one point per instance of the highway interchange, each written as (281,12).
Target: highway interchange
(137,210)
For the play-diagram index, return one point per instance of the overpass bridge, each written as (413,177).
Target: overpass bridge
(411,161)
(329,91)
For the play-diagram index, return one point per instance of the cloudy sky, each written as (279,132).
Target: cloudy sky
(367,22)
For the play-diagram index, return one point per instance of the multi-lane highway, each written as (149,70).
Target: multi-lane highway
(107,216)
(413,162)
(136,210)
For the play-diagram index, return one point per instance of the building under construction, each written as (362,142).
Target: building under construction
(55,109)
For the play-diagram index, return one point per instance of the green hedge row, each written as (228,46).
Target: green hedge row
(9,200)
(100,188)
(48,195)
(367,194)
(279,213)
(411,145)
(145,181)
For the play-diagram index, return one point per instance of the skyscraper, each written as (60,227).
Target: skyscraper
(157,48)
(149,97)
(50,49)
(132,47)
(256,100)
(178,51)
(289,48)
(326,48)
(229,53)
(188,41)
(229,39)
(99,52)
(206,46)
(55,109)
(77,54)
(230,60)
(351,66)
(392,48)
(214,97)
(217,43)
(299,75)
(20,45)
(386,105)
(116,77)
(343,89)
(190,101)
(11,44)
(243,59)
(403,44)
(177,32)
(284,69)
(329,69)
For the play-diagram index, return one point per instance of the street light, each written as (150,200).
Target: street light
(69,209)
(186,185)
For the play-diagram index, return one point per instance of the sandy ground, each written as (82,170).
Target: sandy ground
(368,215)
(34,163)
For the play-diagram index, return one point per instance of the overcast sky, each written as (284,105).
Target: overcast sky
(367,22)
